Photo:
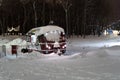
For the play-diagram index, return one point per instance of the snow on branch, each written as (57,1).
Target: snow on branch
(13,29)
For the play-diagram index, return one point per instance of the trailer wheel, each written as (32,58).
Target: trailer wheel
(63,51)
(60,54)
(24,50)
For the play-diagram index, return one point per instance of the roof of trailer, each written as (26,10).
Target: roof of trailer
(44,29)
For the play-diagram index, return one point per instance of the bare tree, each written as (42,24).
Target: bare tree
(43,13)
(0,2)
(2,20)
(52,6)
(0,8)
(35,13)
(66,4)
(24,2)
(34,4)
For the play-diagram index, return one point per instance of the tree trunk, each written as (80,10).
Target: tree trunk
(66,15)
(35,13)
(25,20)
(3,27)
(84,29)
(85,14)
(43,13)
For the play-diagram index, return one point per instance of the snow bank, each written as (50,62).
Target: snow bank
(98,53)
(3,41)
(18,41)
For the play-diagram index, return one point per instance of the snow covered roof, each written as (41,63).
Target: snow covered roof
(45,29)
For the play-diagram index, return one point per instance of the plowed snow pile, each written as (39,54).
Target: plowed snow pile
(18,41)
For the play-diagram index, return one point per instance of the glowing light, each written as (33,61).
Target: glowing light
(115,32)
(48,46)
(64,46)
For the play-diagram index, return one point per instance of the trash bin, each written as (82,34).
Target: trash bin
(14,50)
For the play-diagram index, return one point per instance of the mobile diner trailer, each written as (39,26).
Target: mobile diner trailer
(48,39)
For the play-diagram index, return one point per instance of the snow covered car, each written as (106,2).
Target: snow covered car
(49,39)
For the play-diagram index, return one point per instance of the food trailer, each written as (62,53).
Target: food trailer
(47,39)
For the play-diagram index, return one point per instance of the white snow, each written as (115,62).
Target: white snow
(92,58)
(45,29)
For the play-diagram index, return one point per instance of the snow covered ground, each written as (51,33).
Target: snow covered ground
(92,58)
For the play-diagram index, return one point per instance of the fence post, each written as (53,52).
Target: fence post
(4,49)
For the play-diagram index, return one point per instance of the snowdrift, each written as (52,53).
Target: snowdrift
(82,62)
(17,41)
